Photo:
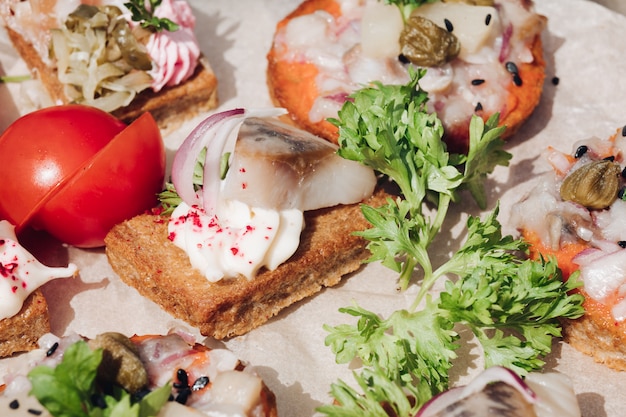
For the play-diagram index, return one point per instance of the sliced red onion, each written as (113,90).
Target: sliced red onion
(212,133)
(440,402)
(494,374)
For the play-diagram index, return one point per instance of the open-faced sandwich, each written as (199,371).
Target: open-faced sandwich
(23,308)
(114,375)
(127,58)
(576,213)
(483,57)
(264,217)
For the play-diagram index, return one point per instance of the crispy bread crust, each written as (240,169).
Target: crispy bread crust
(21,332)
(170,107)
(141,254)
(596,333)
(292,86)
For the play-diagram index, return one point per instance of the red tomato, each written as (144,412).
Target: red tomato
(76,171)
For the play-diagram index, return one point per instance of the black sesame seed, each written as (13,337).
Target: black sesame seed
(403,59)
(555,80)
(511,67)
(624,173)
(609,158)
(478,107)
(52,349)
(624,131)
(622,243)
(448,24)
(478,81)
(517,80)
(14,405)
(620,194)
(183,396)
(139,395)
(487,19)
(35,412)
(183,378)
(200,383)
(582,149)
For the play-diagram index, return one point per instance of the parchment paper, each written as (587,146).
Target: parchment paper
(583,49)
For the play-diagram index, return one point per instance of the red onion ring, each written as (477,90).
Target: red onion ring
(212,133)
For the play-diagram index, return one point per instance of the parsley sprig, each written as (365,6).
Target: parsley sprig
(407,6)
(511,304)
(68,389)
(145,15)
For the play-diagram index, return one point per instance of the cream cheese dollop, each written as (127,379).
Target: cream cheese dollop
(174,54)
(237,240)
(21,273)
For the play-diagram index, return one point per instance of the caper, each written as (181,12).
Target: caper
(594,185)
(132,51)
(427,45)
(120,361)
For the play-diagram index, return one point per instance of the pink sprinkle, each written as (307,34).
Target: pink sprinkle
(242,170)
(7,269)
(244,185)
(234,251)
(14,289)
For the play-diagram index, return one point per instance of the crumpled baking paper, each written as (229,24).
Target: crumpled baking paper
(582,46)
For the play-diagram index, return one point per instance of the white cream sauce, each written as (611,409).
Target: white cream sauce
(336,47)
(21,273)
(238,240)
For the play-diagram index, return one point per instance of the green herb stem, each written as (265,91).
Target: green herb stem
(14,78)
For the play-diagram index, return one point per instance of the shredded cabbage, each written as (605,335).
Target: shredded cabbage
(91,51)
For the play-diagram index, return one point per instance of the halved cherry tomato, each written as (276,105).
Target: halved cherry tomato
(76,171)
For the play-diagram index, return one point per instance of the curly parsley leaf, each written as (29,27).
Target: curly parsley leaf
(144,14)
(67,390)
(512,305)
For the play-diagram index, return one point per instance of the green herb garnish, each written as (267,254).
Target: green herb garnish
(145,15)
(407,6)
(14,78)
(170,199)
(68,389)
(511,304)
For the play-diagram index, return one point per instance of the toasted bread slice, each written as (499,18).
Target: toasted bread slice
(292,85)
(141,254)
(170,107)
(21,332)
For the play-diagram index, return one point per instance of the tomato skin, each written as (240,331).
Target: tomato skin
(112,174)
(40,150)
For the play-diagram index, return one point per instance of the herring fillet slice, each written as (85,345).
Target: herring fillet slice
(277,166)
